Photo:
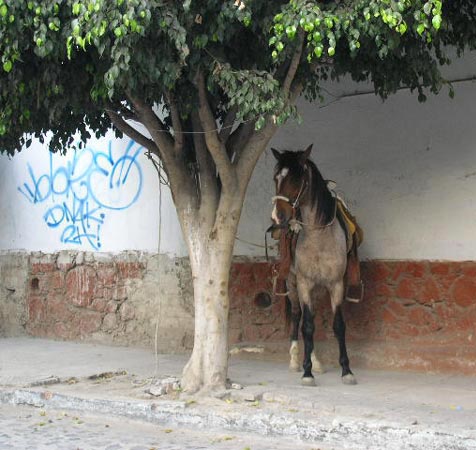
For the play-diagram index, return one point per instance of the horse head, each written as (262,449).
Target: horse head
(291,183)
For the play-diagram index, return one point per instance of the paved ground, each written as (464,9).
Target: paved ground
(24,427)
(388,410)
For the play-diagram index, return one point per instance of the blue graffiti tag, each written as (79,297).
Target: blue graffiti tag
(79,192)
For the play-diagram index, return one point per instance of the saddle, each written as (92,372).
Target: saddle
(353,232)
(287,245)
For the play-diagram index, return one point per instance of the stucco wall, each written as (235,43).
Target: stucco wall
(407,170)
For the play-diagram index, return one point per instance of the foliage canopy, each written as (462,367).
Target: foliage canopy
(65,62)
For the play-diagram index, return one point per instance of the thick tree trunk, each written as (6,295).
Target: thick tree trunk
(210,258)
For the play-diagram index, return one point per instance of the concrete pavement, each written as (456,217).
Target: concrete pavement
(386,409)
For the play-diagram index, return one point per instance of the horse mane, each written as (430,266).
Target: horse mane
(320,195)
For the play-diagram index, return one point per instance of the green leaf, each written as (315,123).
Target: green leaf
(436,22)
(7,66)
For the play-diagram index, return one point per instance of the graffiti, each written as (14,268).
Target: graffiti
(79,192)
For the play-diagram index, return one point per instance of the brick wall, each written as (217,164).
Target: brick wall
(415,315)
(130,298)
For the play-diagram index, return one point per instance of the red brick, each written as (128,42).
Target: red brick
(37,268)
(415,268)
(382,289)
(36,309)
(469,269)
(119,293)
(406,289)
(398,268)
(464,292)
(388,317)
(129,270)
(107,275)
(58,309)
(440,268)
(80,285)
(375,271)
(420,316)
(397,308)
(89,321)
(429,292)
(64,331)
(56,280)
(99,304)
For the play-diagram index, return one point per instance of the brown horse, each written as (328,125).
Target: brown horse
(303,201)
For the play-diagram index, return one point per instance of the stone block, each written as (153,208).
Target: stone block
(464,292)
(126,311)
(109,322)
(80,285)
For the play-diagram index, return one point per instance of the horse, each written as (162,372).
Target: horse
(303,201)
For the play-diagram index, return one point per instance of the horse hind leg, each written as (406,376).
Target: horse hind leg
(294,313)
(337,295)
(316,364)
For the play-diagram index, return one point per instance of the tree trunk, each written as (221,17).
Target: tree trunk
(210,258)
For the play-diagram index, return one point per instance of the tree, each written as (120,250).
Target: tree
(203,85)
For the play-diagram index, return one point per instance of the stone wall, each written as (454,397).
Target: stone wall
(130,298)
(417,315)
(14,270)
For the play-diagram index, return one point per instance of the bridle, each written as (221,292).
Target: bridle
(294,204)
(295,223)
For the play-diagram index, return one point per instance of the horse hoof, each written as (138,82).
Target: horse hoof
(294,367)
(349,379)
(308,381)
(318,369)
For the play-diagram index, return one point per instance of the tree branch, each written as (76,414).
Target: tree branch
(227,125)
(255,146)
(207,171)
(130,131)
(239,138)
(215,146)
(182,186)
(258,141)
(294,65)
(176,122)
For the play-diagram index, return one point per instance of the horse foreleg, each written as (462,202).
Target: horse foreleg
(339,331)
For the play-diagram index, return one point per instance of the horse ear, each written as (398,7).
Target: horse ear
(276,153)
(305,155)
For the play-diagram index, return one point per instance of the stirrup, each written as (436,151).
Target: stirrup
(355,294)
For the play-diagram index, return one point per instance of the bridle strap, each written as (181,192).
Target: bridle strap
(294,204)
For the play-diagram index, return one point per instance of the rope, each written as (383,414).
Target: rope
(253,244)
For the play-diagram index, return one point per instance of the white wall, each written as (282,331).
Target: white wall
(118,208)
(408,171)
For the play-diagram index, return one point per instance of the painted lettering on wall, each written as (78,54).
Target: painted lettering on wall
(80,191)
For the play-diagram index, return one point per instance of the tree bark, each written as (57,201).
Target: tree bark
(210,259)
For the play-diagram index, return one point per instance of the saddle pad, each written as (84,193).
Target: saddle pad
(350,225)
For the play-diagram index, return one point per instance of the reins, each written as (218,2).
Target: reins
(295,208)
